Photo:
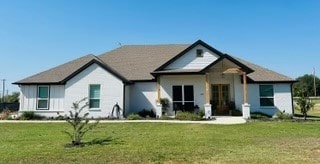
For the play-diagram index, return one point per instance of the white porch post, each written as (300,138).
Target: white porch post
(158,103)
(207,105)
(245,105)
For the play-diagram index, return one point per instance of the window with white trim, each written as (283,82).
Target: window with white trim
(43,97)
(94,96)
(266,95)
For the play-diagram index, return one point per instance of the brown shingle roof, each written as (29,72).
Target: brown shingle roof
(262,74)
(58,73)
(136,62)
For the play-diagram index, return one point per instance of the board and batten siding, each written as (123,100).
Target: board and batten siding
(198,82)
(28,100)
(190,60)
(111,90)
(282,98)
(142,96)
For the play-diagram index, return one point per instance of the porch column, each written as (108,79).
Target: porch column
(245,105)
(158,89)
(245,94)
(207,105)
(207,89)
(158,103)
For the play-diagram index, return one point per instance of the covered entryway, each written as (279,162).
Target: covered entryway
(220,99)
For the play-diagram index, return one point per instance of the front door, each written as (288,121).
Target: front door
(183,97)
(220,98)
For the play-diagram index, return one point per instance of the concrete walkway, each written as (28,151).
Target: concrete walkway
(224,120)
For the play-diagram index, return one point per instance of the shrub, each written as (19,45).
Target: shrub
(134,117)
(283,116)
(147,113)
(30,115)
(80,125)
(260,116)
(188,116)
(236,112)
(201,113)
(5,114)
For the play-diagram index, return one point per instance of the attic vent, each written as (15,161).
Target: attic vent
(199,53)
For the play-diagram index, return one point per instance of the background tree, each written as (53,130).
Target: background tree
(305,85)
(13,97)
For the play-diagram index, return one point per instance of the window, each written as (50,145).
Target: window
(199,53)
(43,97)
(266,95)
(94,96)
(183,97)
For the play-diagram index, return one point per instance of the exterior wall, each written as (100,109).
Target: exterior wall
(28,100)
(198,82)
(111,90)
(282,98)
(142,96)
(191,61)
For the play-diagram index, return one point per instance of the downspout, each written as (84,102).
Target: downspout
(124,100)
(292,104)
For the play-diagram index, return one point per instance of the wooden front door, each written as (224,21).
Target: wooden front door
(220,98)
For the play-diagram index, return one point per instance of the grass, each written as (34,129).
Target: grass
(257,142)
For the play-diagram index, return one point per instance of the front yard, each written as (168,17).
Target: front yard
(255,142)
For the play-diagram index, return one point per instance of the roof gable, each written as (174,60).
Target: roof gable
(62,73)
(176,57)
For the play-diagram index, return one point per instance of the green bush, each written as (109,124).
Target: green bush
(259,116)
(30,115)
(236,112)
(283,116)
(147,113)
(134,117)
(188,116)
(201,113)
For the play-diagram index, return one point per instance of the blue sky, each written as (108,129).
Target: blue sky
(36,35)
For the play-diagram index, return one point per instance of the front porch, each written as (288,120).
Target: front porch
(220,90)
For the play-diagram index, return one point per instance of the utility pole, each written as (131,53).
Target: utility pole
(314,82)
(3,92)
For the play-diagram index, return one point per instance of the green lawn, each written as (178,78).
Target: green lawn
(255,142)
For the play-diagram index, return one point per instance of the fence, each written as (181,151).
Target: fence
(13,107)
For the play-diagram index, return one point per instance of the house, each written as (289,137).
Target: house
(136,77)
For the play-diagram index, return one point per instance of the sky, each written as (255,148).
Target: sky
(35,35)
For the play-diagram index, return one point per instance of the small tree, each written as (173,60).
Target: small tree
(304,103)
(80,124)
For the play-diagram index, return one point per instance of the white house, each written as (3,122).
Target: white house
(136,77)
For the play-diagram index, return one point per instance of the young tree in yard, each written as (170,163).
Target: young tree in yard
(80,124)
(304,103)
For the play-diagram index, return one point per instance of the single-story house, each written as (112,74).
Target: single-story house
(136,77)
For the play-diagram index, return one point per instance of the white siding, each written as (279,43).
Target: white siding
(190,60)
(28,100)
(111,90)
(198,82)
(28,97)
(142,96)
(282,98)
(56,98)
